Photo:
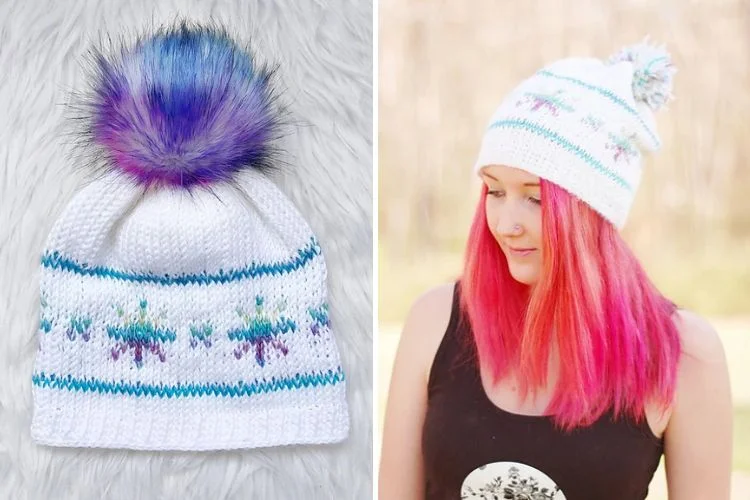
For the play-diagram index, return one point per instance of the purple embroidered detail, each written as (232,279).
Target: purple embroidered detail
(622,147)
(79,326)
(139,348)
(259,347)
(140,335)
(320,318)
(261,331)
(201,335)
(538,101)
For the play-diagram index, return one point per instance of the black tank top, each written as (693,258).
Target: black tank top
(474,450)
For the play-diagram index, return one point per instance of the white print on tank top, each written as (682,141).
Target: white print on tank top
(509,480)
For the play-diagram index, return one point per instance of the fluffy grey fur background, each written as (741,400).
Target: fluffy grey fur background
(324,51)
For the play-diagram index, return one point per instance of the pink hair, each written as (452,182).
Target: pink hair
(618,346)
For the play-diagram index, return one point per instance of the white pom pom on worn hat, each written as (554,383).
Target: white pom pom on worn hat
(653,73)
(183,296)
(581,123)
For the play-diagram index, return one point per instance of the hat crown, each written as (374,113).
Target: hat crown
(170,232)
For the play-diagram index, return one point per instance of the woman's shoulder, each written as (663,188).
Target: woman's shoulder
(426,323)
(701,359)
(434,303)
(702,372)
(699,339)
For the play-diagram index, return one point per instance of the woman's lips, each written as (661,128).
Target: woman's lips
(521,252)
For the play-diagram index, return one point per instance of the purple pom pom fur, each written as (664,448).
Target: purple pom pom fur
(184,107)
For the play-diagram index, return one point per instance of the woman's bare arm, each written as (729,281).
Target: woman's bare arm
(401,472)
(698,438)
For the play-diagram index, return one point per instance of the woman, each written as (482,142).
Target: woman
(554,369)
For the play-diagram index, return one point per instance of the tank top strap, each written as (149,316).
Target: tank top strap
(455,356)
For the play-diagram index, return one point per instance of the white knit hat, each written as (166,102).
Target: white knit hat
(581,123)
(183,297)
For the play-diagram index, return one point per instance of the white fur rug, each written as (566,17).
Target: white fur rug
(324,49)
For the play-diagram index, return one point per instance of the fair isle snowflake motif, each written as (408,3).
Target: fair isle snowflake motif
(79,326)
(592,122)
(320,319)
(509,480)
(140,334)
(536,101)
(201,335)
(260,332)
(622,147)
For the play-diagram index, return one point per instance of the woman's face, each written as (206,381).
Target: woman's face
(514,216)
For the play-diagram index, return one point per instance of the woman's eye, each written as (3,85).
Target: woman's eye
(498,193)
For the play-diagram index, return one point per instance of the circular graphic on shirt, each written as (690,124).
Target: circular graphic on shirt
(509,480)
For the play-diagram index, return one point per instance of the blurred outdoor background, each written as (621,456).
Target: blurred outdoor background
(443,68)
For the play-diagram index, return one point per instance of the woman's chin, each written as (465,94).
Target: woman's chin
(524,275)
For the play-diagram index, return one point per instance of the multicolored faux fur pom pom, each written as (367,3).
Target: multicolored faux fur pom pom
(184,107)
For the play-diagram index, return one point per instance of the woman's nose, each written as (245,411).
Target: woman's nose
(510,228)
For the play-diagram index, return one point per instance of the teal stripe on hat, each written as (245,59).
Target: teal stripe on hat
(179,390)
(55,260)
(606,93)
(564,143)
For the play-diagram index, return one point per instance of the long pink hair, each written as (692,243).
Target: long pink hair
(618,346)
